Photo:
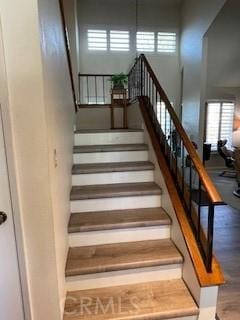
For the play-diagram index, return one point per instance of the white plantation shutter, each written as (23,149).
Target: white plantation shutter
(166,42)
(146,41)
(97,40)
(219,124)
(119,40)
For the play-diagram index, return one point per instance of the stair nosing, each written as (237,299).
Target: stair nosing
(110,168)
(125,266)
(147,310)
(94,131)
(75,196)
(113,266)
(165,220)
(116,226)
(115,148)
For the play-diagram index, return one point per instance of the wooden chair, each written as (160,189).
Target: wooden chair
(236,156)
(226,154)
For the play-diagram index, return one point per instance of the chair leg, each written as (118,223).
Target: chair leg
(222,173)
(228,174)
(237,192)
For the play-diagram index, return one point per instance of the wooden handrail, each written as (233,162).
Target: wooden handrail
(205,278)
(94,75)
(65,33)
(179,153)
(203,175)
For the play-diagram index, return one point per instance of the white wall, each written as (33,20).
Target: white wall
(197,16)
(153,15)
(41,116)
(223,56)
(60,118)
(224,49)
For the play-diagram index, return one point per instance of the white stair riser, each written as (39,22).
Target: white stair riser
(118,203)
(80,239)
(124,277)
(87,139)
(112,177)
(118,156)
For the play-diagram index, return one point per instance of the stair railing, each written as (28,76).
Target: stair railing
(197,192)
(94,89)
(68,54)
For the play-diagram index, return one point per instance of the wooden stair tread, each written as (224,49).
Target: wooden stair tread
(121,256)
(117,219)
(94,105)
(107,130)
(114,190)
(110,148)
(112,167)
(151,300)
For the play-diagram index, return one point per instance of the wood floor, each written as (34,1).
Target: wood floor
(227,249)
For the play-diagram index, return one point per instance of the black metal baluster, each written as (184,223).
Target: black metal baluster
(129,86)
(152,95)
(96,89)
(165,121)
(176,166)
(134,81)
(210,237)
(160,111)
(190,186)
(79,89)
(171,145)
(103,80)
(183,167)
(88,91)
(155,105)
(156,97)
(141,77)
(165,128)
(199,211)
(146,82)
(149,92)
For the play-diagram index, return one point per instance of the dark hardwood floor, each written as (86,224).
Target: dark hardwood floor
(227,250)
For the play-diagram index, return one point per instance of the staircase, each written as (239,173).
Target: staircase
(122,263)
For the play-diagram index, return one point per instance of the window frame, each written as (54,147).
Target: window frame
(154,42)
(119,50)
(132,40)
(221,102)
(91,30)
(170,33)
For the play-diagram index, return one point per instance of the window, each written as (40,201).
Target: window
(166,42)
(119,40)
(114,40)
(219,124)
(97,40)
(146,41)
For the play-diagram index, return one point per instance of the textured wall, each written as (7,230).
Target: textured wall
(41,119)
(153,15)
(197,16)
